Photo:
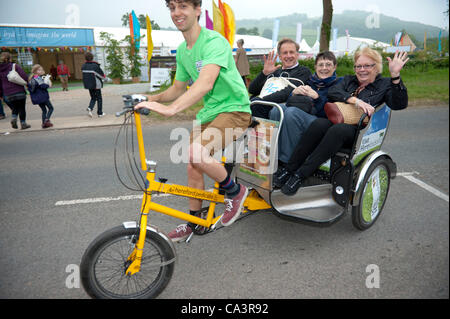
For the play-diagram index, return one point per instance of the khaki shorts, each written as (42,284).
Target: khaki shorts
(223,130)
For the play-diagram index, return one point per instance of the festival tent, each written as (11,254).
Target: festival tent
(315,48)
(352,44)
(304,47)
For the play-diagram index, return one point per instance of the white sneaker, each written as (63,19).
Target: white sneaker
(101,115)
(89,112)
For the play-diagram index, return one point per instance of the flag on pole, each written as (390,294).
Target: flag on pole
(348,40)
(397,38)
(425,41)
(335,35)
(149,38)
(298,39)
(230,21)
(218,22)
(130,18)
(209,22)
(135,29)
(276,30)
(226,27)
(223,21)
(440,42)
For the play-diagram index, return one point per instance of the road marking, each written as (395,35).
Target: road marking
(409,176)
(101,199)
(107,199)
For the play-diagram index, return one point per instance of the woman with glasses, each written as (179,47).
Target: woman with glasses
(366,90)
(304,105)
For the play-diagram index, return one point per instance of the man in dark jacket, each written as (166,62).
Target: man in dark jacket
(288,52)
(93,77)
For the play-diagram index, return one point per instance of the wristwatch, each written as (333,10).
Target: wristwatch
(396,78)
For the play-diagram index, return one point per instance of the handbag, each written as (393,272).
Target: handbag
(277,83)
(14,77)
(339,112)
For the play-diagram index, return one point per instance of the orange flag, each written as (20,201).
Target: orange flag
(226,28)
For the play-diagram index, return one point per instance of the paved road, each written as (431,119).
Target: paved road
(260,256)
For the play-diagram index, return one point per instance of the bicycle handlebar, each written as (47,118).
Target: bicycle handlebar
(130,101)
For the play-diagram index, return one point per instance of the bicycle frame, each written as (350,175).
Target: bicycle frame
(253,201)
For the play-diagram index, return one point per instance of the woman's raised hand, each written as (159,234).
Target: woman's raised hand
(396,64)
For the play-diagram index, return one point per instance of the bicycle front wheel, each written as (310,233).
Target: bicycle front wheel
(104,264)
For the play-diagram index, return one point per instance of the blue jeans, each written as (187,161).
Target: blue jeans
(295,123)
(46,114)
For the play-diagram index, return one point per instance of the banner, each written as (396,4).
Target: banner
(298,39)
(45,37)
(276,30)
(335,35)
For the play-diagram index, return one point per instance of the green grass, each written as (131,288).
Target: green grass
(427,87)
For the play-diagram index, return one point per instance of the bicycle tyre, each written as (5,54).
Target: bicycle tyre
(365,214)
(104,262)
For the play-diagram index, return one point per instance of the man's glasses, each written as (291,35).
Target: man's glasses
(365,66)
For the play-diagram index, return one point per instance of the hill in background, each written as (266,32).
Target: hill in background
(353,21)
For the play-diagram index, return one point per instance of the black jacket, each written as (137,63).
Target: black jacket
(299,72)
(92,75)
(382,90)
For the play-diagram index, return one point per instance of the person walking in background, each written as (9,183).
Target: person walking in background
(242,61)
(15,94)
(53,72)
(64,74)
(93,77)
(38,85)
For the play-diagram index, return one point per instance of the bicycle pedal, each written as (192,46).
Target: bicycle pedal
(189,238)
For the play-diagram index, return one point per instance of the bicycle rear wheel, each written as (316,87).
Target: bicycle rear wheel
(104,264)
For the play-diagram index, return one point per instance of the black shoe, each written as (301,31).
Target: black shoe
(14,123)
(280,177)
(292,185)
(24,126)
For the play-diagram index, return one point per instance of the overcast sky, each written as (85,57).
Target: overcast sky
(107,13)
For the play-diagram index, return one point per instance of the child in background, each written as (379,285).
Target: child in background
(38,85)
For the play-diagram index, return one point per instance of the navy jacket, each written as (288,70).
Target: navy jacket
(92,75)
(38,90)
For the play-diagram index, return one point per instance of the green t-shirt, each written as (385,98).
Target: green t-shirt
(229,93)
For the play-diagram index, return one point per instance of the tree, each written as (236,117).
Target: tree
(267,33)
(135,59)
(325,32)
(114,56)
(252,31)
(142,21)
